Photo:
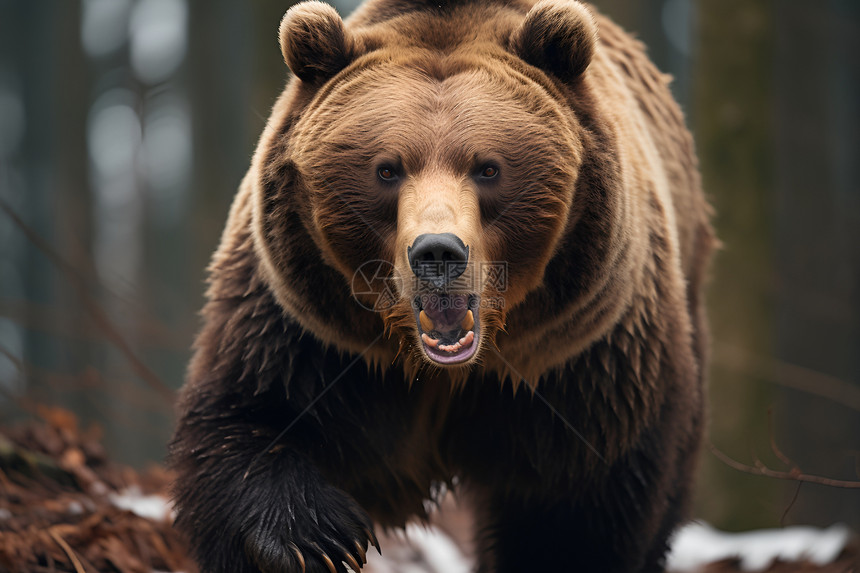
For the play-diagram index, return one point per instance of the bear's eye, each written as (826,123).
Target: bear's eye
(488,172)
(387,173)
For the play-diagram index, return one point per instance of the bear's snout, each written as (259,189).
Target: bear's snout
(438,258)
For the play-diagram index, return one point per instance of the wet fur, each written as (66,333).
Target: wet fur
(605,320)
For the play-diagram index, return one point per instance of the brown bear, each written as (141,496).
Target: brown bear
(469,254)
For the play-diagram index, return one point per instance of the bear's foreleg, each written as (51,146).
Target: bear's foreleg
(615,518)
(249,507)
(602,534)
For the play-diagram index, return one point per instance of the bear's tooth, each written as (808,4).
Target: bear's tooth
(429,341)
(468,321)
(426,324)
(468,339)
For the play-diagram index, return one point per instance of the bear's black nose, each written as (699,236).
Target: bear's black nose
(438,258)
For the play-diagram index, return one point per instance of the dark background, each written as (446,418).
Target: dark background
(126,125)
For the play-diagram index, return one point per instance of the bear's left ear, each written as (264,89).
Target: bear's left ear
(314,41)
(557,36)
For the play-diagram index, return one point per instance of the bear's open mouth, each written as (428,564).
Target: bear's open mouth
(448,326)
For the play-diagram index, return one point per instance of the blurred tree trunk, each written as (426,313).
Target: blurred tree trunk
(46,185)
(236,73)
(270,71)
(733,101)
(818,237)
(72,201)
(31,177)
(219,84)
(666,28)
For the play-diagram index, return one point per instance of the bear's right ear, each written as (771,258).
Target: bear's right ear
(314,41)
(557,36)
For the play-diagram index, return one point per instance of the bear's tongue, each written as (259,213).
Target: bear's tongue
(446,324)
(446,311)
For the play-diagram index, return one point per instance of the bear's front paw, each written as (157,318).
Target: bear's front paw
(328,534)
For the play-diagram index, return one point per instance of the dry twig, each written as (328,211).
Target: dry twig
(72,555)
(794,474)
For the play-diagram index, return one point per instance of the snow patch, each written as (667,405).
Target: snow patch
(425,549)
(154,507)
(698,544)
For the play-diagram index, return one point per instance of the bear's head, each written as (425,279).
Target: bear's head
(419,171)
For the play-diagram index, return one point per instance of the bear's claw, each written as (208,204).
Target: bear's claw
(373,540)
(299,555)
(326,559)
(285,540)
(349,558)
(328,555)
(361,551)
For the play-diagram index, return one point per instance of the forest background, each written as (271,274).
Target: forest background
(126,125)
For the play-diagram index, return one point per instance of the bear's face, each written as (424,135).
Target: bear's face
(452,173)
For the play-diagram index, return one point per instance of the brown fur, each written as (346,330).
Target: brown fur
(599,216)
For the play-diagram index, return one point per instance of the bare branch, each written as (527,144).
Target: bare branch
(794,474)
(782,457)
